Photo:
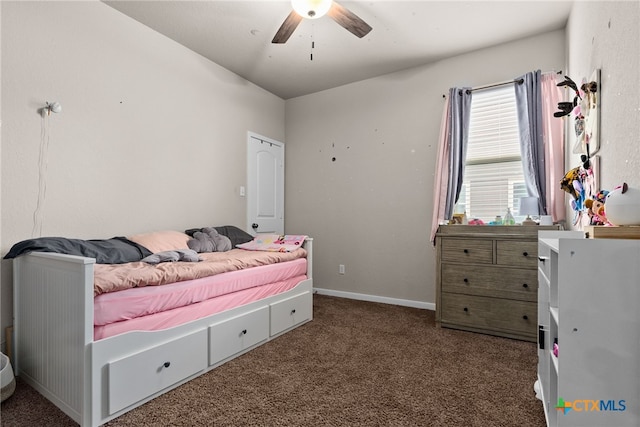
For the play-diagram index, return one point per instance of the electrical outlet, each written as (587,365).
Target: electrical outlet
(341,269)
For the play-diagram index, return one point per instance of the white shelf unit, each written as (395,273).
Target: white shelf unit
(588,298)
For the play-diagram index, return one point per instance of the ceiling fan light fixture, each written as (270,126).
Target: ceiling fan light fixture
(312,9)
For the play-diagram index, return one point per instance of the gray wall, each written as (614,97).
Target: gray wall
(371,208)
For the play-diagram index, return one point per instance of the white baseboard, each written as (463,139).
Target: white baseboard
(374,298)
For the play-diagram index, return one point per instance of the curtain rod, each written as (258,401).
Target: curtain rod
(519,81)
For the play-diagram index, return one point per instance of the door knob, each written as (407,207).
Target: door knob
(254,226)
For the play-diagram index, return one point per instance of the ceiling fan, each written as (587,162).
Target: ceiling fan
(313,9)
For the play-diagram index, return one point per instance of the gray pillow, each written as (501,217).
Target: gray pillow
(236,235)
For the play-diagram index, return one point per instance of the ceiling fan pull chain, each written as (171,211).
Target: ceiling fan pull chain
(313,43)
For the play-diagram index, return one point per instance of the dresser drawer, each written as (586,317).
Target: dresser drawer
(142,374)
(517,254)
(234,335)
(496,314)
(515,283)
(467,251)
(291,312)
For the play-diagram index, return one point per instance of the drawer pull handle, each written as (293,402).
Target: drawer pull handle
(244,332)
(524,285)
(466,309)
(542,259)
(466,251)
(465,280)
(525,317)
(293,311)
(525,253)
(166,364)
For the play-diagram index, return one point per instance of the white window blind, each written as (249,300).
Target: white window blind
(493,177)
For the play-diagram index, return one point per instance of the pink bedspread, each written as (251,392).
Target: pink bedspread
(116,277)
(129,304)
(181,315)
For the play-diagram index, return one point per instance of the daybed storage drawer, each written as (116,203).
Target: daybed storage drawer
(142,374)
(234,335)
(290,312)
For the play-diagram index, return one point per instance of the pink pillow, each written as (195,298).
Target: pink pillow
(161,241)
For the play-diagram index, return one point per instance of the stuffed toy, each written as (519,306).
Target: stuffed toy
(596,209)
(209,240)
(577,204)
(567,182)
(186,255)
(578,182)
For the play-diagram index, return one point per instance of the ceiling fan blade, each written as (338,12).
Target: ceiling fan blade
(349,20)
(287,28)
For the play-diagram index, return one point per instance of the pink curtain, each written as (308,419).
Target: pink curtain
(441,173)
(553,140)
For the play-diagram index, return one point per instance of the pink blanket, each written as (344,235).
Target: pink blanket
(115,277)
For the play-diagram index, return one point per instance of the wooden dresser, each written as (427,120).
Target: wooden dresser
(486,279)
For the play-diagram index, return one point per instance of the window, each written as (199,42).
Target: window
(493,177)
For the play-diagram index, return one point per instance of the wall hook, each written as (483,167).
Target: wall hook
(53,107)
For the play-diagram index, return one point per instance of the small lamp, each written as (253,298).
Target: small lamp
(528,207)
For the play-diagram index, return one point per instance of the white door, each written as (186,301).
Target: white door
(265,185)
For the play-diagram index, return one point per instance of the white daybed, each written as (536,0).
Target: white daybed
(94,381)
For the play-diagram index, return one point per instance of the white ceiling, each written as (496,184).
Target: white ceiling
(237,35)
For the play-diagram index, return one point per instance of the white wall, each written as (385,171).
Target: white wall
(371,208)
(151,136)
(606,35)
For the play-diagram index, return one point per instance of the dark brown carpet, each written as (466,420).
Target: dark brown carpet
(356,364)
